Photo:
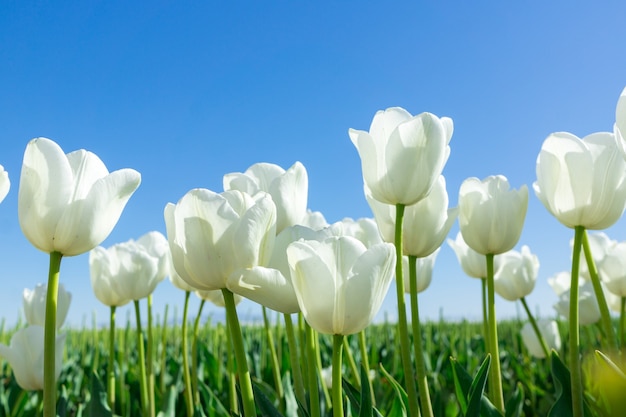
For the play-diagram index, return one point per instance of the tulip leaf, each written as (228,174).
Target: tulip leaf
(169,403)
(213,404)
(469,391)
(62,402)
(97,405)
(265,405)
(366,395)
(562,407)
(515,403)
(401,396)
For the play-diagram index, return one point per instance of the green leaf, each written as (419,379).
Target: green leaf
(265,405)
(562,381)
(354,397)
(62,402)
(515,404)
(477,388)
(169,404)
(463,383)
(97,405)
(402,404)
(366,395)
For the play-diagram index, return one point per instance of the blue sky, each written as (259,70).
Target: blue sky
(185,92)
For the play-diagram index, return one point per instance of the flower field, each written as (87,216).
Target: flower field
(82,380)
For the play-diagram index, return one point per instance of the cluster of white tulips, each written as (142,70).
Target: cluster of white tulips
(257,239)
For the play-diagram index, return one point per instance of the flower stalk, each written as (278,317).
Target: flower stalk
(186,376)
(49,377)
(143,384)
(574,331)
(494,370)
(111,370)
(337,388)
(296,372)
(533,323)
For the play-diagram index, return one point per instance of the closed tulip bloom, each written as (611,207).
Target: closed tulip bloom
(426,223)
(424,271)
(289,189)
(25,355)
(5,184)
(550,333)
(339,283)
(589,312)
(213,235)
(561,282)
(582,182)
(70,203)
(491,214)
(271,286)
(516,274)
(472,262)
(613,269)
(133,269)
(34,303)
(402,155)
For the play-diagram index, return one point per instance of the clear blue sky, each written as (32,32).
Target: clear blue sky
(185,92)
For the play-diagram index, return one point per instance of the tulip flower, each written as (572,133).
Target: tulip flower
(364,229)
(491,215)
(25,354)
(34,303)
(588,304)
(582,182)
(5,184)
(516,275)
(599,244)
(70,203)
(550,333)
(561,282)
(424,268)
(426,223)
(613,269)
(402,155)
(133,269)
(340,285)
(472,262)
(289,189)
(212,235)
(314,220)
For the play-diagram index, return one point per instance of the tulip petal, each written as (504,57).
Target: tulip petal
(265,286)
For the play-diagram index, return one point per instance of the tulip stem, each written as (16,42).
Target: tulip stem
(418,350)
(494,370)
(622,319)
(574,331)
(111,376)
(49,355)
(143,385)
(352,364)
(232,377)
(533,323)
(337,391)
(164,348)
(405,348)
(273,357)
(245,384)
(483,283)
(150,360)
(311,353)
(365,362)
(611,341)
(296,372)
(194,356)
(186,376)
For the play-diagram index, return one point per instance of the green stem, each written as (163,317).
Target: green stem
(143,385)
(574,331)
(494,370)
(164,348)
(186,376)
(150,361)
(418,350)
(111,376)
(314,394)
(405,348)
(318,369)
(483,283)
(273,357)
(533,323)
(296,372)
(337,391)
(366,363)
(232,377)
(622,321)
(611,340)
(352,364)
(245,384)
(194,356)
(49,356)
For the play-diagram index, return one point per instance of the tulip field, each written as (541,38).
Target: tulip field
(528,383)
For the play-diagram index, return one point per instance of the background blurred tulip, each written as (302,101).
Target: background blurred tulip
(620,122)
(589,311)
(613,269)
(289,189)
(402,155)
(424,269)
(550,333)
(426,223)
(25,355)
(472,262)
(491,214)
(599,244)
(212,235)
(516,274)
(5,184)
(340,284)
(582,182)
(34,303)
(70,203)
